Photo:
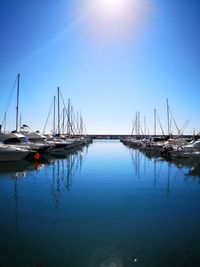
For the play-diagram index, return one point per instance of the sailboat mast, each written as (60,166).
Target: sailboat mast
(77,124)
(81,125)
(154,121)
(68,117)
(145,126)
(17,107)
(136,123)
(58,110)
(20,122)
(71,120)
(139,123)
(168,124)
(54,115)
(63,125)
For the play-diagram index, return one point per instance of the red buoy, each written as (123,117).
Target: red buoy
(37,156)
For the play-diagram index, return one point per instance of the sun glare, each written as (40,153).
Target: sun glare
(110,4)
(112,8)
(116,17)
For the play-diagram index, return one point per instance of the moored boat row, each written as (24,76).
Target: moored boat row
(22,143)
(17,146)
(166,147)
(164,144)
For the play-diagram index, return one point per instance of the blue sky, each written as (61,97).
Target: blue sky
(107,73)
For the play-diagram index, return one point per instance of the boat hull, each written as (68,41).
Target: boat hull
(13,155)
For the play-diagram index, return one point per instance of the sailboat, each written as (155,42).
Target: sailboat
(18,139)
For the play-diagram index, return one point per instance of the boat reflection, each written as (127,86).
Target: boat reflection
(19,168)
(23,167)
(192,165)
(151,165)
(60,170)
(15,171)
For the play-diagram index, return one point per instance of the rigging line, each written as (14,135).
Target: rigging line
(141,129)
(48,116)
(66,111)
(4,122)
(85,129)
(160,124)
(68,121)
(184,127)
(9,100)
(63,120)
(73,125)
(174,120)
(78,120)
(3,119)
(56,130)
(73,118)
(70,124)
(76,126)
(81,125)
(133,127)
(29,104)
(65,129)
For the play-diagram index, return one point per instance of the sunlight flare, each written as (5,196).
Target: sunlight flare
(111,4)
(116,17)
(111,9)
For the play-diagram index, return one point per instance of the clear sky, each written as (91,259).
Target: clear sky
(110,58)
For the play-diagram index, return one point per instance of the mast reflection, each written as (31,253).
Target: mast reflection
(63,172)
(16,197)
(149,165)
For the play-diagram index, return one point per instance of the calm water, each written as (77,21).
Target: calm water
(106,205)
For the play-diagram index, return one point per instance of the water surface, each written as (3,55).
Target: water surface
(105,205)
